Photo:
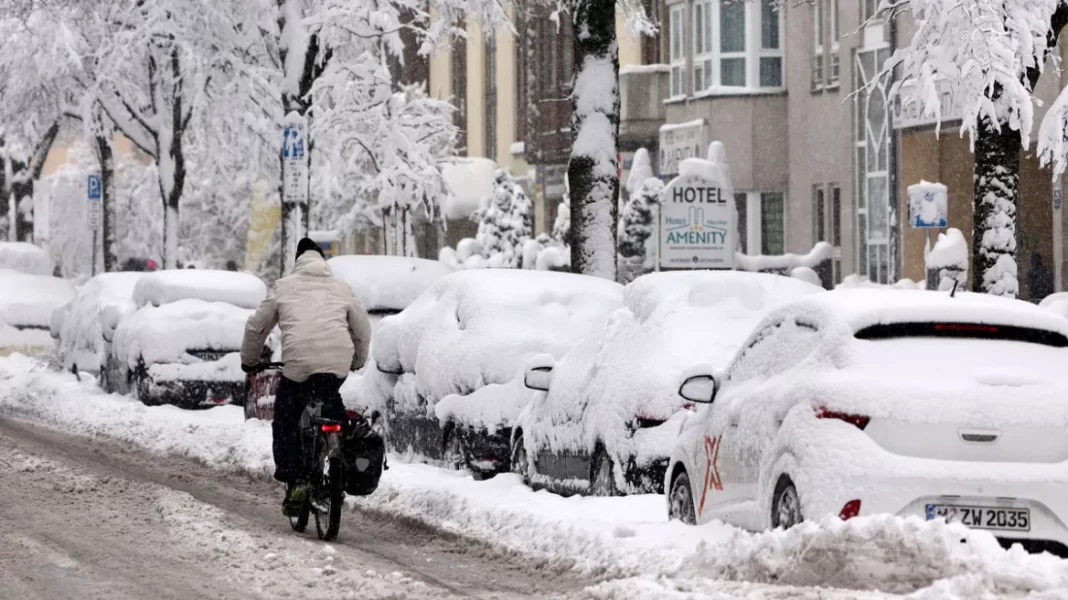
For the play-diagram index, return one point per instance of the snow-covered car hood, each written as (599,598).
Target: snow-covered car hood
(164,334)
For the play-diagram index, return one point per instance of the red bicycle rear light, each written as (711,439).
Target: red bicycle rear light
(331,428)
(850,510)
(858,421)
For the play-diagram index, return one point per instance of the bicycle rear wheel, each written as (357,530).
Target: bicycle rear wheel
(331,501)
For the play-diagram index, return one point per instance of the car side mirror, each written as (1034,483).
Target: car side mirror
(538,378)
(699,388)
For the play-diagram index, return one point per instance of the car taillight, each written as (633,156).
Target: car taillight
(965,327)
(850,510)
(858,421)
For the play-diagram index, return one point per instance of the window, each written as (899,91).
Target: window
(772,224)
(459,91)
(678,56)
(703,50)
(770,45)
(817,54)
(819,214)
(732,43)
(872,165)
(833,68)
(651,43)
(491,94)
(827,226)
(870,8)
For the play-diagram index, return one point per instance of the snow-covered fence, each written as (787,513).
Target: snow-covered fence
(802,266)
(947,262)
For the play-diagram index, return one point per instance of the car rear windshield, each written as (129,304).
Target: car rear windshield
(964,330)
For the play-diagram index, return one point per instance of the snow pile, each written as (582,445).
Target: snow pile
(82,326)
(821,252)
(860,281)
(950,258)
(28,300)
(383,283)
(163,334)
(471,182)
(25,258)
(1056,303)
(489,407)
(632,367)
(609,537)
(162,287)
(475,328)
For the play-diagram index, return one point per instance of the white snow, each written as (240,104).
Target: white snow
(163,334)
(684,125)
(387,282)
(606,537)
(162,287)
(653,68)
(25,258)
(951,250)
(1056,303)
(632,367)
(475,328)
(860,281)
(471,182)
(517,148)
(81,330)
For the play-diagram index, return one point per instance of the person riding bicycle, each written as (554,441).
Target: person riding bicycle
(325,335)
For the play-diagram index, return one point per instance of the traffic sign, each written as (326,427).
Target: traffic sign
(295,159)
(95,189)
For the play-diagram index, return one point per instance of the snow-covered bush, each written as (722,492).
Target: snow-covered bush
(505,223)
(949,258)
(636,228)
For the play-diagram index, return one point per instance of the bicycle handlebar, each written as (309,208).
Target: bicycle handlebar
(266,366)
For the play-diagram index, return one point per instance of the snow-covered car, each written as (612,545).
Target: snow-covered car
(182,345)
(26,305)
(450,366)
(25,258)
(863,402)
(386,285)
(612,413)
(84,327)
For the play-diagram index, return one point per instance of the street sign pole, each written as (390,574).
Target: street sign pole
(93,196)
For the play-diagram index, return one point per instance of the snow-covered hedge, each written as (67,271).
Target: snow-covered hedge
(476,328)
(162,287)
(25,258)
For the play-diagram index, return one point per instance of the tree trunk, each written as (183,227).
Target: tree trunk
(592,173)
(105,158)
(997,182)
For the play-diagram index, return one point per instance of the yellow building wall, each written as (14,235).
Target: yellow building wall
(630,48)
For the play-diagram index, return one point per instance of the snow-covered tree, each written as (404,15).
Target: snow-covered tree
(504,223)
(992,52)
(637,227)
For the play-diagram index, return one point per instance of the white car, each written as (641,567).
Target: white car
(84,327)
(862,402)
(612,413)
(26,305)
(386,285)
(182,345)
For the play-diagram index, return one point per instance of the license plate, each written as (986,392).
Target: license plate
(982,517)
(209,355)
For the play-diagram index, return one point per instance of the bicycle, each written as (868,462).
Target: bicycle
(326,474)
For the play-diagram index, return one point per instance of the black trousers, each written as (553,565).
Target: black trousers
(290,462)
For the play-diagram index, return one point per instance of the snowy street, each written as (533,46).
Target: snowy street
(131,501)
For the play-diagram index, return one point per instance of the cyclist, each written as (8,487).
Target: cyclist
(325,335)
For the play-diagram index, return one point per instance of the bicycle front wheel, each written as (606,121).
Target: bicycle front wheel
(328,518)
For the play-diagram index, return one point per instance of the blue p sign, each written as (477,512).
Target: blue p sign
(94,187)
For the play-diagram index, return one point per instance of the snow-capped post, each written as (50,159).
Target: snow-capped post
(928,209)
(294,185)
(947,263)
(698,223)
(592,172)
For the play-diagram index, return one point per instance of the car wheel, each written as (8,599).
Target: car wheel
(785,505)
(520,464)
(602,479)
(454,450)
(680,502)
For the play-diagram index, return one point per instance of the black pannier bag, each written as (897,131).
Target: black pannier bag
(364,453)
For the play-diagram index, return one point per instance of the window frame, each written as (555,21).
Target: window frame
(768,53)
(834,66)
(677,50)
(817,53)
(704,48)
(490,80)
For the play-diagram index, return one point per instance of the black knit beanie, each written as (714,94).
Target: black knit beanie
(308,244)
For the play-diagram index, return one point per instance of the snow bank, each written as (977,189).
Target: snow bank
(820,252)
(28,300)
(606,537)
(632,367)
(1056,303)
(82,327)
(25,258)
(471,182)
(163,334)
(162,287)
(387,282)
(475,328)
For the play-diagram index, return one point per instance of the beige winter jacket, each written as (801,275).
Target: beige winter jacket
(324,328)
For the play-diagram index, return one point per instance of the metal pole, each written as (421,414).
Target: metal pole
(94,252)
